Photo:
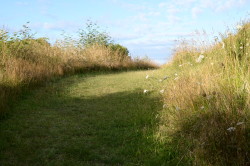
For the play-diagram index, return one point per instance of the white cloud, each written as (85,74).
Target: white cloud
(154,14)
(127,36)
(58,26)
(22,3)
(162,4)
(173,19)
(196,11)
(173,9)
(131,6)
(220,5)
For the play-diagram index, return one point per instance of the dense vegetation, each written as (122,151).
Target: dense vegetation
(207,100)
(26,60)
(195,110)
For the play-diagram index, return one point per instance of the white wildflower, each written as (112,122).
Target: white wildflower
(162,91)
(180,65)
(239,123)
(176,74)
(200,58)
(165,77)
(145,91)
(202,107)
(147,76)
(241,47)
(209,97)
(230,129)
(223,45)
(239,27)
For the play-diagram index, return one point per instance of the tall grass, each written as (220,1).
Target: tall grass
(208,102)
(26,61)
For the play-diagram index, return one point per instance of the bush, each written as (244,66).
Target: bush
(120,50)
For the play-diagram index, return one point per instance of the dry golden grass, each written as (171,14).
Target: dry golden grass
(209,102)
(27,62)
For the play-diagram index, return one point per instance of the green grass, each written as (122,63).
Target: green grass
(90,119)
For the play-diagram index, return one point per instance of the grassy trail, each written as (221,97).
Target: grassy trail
(90,119)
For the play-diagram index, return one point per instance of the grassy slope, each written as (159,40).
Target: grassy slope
(93,119)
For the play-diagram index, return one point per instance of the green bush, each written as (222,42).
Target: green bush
(121,50)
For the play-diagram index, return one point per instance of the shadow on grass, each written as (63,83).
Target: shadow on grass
(204,137)
(50,128)
(10,94)
(13,93)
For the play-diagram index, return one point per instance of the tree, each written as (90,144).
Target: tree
(93,35)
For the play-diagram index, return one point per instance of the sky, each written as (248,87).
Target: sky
(146,27)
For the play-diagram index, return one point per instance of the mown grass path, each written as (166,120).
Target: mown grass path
(88,119)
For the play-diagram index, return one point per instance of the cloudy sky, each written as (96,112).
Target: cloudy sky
(146,27)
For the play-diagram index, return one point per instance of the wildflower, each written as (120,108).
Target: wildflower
(165,77)
(241,47)
(147,76)
(199,83)
(176,74)
(145,91)
(223,45)
(162,91)
(230,129)
(180,65)
(200,58)
(202,107)
(239,27)
(209,97)
(239,123)
(177,108)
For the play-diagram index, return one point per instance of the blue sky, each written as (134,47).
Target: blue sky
(145,27)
